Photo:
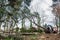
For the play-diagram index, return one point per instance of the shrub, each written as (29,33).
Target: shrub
(31,29)
(39,30)
(23,30)
(17,29)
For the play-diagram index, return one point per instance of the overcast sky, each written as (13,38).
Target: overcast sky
(43,7)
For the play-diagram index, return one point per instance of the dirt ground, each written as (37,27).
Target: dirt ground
(49,37)
(43,37)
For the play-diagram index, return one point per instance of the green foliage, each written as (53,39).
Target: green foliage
(59,24)
(39,30)
(9,38)
(23,29)
(17,29)
(15,3)
(32,29)
(33,37)
(12,38)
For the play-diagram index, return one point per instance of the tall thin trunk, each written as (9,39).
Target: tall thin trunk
(0,26)
(7,26)
(30,23)
(4,28)
(59,21)
(23,23)
(38,21)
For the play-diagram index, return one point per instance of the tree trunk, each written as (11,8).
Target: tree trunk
(23,23)
(30,23)
(0,26)
(59,21)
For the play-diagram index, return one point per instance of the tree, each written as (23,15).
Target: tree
(56,10)
(27,2)
(31,16)
(9,12)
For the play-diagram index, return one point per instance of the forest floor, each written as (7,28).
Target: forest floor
(50,37)
(43,37)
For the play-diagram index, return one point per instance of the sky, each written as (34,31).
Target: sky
(43,7)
